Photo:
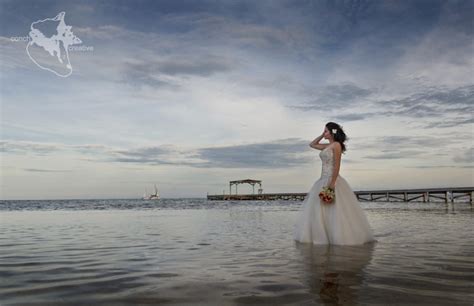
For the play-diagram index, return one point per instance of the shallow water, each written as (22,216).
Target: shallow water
(225,253)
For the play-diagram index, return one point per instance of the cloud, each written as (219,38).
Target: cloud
(284,153)
(203,67)
(465,157)
(276,154)
(335,96)
(45,170)
(158,155)
(395,155)
(19,147)
(167,72)
(441,167)
(42,148)
(463,96)
(408,147)
(410,142)
(454,106)
(445,123)
(354,117)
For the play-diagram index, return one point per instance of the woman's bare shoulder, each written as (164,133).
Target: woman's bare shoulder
(336,146)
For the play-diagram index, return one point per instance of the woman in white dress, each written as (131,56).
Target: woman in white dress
(343,222)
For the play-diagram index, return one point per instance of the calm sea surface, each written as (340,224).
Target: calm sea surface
(191,251)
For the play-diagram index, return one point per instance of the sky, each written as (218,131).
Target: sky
(189,95)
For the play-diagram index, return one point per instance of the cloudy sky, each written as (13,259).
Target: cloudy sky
(192,94)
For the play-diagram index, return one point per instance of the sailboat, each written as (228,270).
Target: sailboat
(154,196)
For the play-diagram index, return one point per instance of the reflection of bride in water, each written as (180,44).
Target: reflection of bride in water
(335,273)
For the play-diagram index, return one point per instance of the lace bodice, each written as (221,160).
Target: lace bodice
(327,159)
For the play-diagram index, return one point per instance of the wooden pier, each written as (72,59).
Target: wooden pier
(255,197)
(417,195)
(438,195)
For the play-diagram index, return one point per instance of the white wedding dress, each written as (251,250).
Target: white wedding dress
(343,222)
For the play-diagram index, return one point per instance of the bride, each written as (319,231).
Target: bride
(343,221)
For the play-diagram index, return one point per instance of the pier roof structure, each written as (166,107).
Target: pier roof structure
(246,181)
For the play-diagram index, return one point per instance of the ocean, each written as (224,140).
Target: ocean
(194,251)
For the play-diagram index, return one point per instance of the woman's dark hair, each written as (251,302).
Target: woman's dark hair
(339,136)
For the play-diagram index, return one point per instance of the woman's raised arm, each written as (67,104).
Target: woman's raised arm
(315,143)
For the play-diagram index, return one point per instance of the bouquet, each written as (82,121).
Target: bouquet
(327,195)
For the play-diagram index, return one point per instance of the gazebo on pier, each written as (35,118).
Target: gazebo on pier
(246,181)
